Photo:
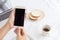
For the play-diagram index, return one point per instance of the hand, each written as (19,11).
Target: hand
(4,30)
(10,21)
(20,34)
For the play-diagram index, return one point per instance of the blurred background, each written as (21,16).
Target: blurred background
(51,9)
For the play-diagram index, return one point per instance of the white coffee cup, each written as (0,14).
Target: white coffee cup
(46,29)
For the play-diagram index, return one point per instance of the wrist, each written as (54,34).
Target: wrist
(8,26)
(18,35)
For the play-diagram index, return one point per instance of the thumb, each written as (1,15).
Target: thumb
(12,14)
(11,18)
(22,32)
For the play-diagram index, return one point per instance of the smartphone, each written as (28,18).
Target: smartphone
(19,17)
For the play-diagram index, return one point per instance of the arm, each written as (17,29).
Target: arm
(7,26)
(4,30)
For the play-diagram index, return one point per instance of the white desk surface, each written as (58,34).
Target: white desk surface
(51,9)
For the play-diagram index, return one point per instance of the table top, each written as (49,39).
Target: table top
(51,9)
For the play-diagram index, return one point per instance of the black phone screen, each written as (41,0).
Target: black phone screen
(19,17)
